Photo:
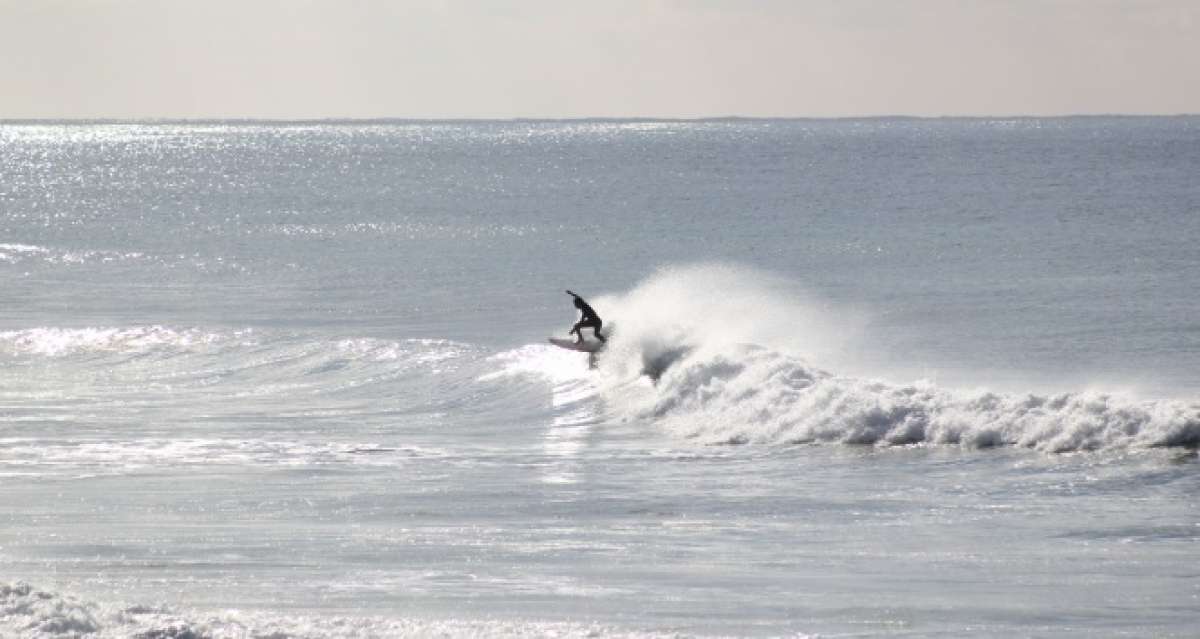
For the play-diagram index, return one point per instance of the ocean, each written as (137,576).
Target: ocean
(865,377)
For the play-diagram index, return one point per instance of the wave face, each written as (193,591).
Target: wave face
(179,364)
(716,342)
(117,400)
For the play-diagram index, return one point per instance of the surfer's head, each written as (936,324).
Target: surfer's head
(578,303)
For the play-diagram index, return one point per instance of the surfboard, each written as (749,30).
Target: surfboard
(587,346)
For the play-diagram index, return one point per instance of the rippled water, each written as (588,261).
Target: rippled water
(881,377)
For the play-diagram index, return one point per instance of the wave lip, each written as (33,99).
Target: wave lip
(54,342)
(16,253)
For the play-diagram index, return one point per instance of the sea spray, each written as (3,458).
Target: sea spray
(726,303)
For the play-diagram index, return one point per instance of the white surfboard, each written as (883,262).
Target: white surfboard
(586,346)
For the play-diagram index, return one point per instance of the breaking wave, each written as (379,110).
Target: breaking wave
(26,611)
(723,375)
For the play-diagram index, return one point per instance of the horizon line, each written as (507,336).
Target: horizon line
(582,119)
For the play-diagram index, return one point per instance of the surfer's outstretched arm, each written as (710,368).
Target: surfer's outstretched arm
(587,318)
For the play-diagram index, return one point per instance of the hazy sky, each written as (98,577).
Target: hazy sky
(566,58)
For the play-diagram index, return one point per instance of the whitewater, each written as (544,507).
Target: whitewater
(883,377)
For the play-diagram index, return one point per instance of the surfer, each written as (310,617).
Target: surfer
(587,318)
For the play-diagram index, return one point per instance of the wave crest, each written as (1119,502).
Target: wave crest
(54,342)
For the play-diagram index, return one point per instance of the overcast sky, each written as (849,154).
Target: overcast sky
(566,58)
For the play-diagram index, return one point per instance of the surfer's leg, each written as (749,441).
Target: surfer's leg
(576,332)
(596,329)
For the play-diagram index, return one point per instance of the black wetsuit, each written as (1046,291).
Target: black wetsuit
(587,319)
